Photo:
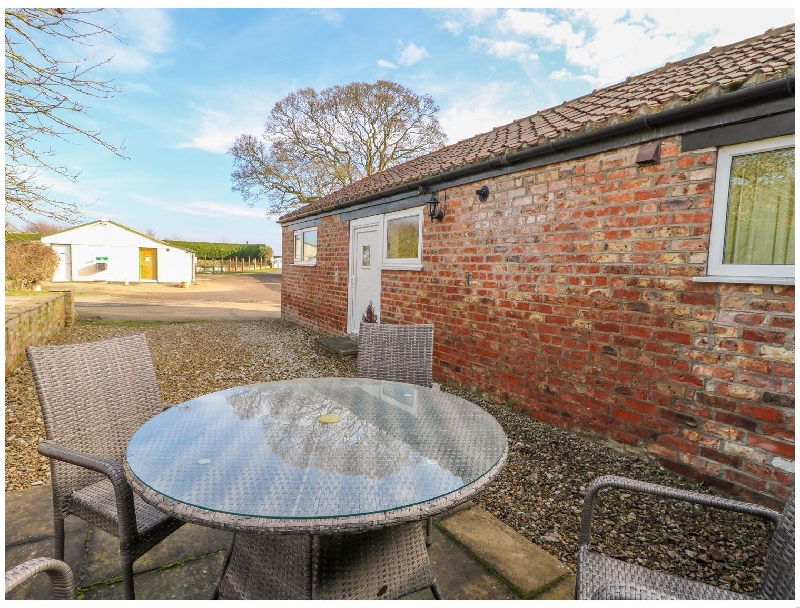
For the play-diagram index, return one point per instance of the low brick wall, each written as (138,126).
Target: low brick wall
(33,320)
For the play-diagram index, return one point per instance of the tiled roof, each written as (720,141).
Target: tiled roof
(769,56)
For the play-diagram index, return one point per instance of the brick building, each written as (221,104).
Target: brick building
(621,265)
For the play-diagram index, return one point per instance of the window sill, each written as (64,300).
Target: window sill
(304,263)
(386,266)
(750,280)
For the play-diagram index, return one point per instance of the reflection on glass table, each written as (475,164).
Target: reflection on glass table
(335,457)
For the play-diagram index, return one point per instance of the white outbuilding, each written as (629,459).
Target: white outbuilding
(106,251)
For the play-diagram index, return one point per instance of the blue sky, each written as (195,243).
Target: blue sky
(192,80)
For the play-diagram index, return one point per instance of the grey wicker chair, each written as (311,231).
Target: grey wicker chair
(603,577)
(60,574)
(401,353)
(94,396)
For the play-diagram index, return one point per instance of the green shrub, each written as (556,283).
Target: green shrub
(29,263)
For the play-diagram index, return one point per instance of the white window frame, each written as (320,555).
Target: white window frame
(300,261)
(773,274)
(404,263)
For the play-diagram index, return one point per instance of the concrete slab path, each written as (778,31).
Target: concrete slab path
(473,555)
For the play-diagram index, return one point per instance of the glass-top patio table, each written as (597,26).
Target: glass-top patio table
(324,480)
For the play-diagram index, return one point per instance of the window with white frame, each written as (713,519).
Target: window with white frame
(752,228)
(305,246)
(402,239)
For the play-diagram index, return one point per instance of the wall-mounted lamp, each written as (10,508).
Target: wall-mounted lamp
(483,193)
(433,203)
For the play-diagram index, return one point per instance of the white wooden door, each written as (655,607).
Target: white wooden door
(64,270)
(365,270)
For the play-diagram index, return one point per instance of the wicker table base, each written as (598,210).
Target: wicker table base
(386,563)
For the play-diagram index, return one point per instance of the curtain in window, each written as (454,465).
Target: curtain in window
(402,238)
(310,246)
(760,223)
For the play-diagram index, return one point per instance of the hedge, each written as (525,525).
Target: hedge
(17,237)
(224,251)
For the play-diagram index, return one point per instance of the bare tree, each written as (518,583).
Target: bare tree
(316,143)
(44,228)
(45,97)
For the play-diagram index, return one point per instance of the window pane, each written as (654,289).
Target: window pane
(310,246)
(298,249)
(760,223)
(402,238)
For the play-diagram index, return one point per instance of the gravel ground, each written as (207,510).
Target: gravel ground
(539,493)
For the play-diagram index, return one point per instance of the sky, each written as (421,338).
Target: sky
(191,80)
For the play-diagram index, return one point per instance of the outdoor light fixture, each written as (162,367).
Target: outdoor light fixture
(433,202)
(483,193)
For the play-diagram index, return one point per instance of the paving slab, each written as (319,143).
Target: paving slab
(341,346)
(565,590)
(459,575)
(474,556)
(190,580)
(527,568)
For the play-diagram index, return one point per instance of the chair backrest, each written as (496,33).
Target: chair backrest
(94,396)
(403,353)
(777,578)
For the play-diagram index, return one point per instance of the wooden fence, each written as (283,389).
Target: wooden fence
(205,266)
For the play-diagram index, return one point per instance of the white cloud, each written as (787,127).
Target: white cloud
(562,75)
(454,27)
(458,20)
(145,34)
(621,47)
(412,54)
(505,49)
(204,208)
(604,46)
(470,115)
(386,64)
(610,44)
(548,31)
(212,209)
(82,193)
(151,29)
(329,15)
(216,131)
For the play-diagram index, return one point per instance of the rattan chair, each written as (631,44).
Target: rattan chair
(94,396)
(603,577)
(60,574)
(401,353)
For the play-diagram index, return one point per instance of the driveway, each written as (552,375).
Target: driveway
(223,297)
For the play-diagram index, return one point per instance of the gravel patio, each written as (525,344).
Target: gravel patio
(539,493)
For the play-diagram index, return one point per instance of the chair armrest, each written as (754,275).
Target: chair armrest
(112,469)
(106,466)
(60,576)
(624,483)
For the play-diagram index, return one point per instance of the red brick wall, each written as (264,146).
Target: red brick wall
(316,296)
(581,310)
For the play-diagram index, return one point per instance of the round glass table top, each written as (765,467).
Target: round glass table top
(316,448)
